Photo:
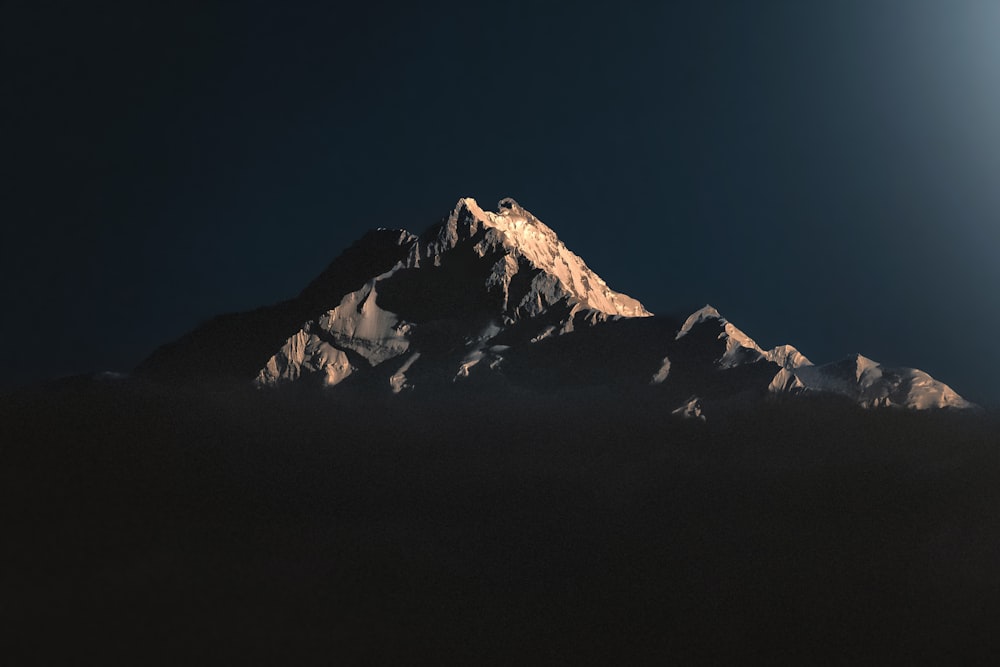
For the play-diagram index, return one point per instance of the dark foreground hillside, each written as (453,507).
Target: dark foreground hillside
(145,525)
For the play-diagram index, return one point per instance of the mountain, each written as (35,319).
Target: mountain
(495,301)
(858,378)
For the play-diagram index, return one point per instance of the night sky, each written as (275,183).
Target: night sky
(824,173)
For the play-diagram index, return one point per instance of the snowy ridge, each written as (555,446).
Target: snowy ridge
(787,356)
(871,385)
(859,378)
(741,348)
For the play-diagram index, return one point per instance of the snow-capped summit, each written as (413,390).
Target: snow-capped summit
(519,235)
(449,302)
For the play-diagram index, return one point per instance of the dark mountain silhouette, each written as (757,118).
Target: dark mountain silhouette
(479,300)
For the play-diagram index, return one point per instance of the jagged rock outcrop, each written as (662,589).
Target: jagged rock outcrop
(476,278)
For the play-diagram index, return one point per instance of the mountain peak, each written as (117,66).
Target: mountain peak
(464,289)
(470,205)
(516,232)
(703,314)
(509,217)
(504,206)
(862,364)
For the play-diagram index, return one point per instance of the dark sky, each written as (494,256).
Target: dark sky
(824,173)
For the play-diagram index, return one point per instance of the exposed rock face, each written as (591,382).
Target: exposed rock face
(465,282)
(496,297)
(234,347)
